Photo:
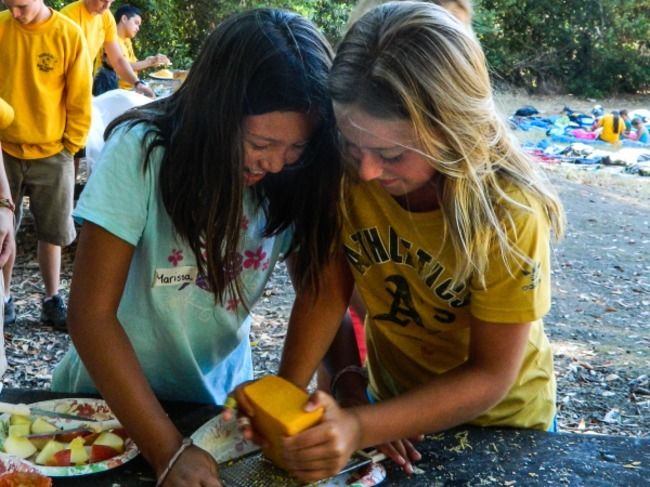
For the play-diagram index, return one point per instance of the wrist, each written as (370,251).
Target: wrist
(138,82)
(185,444)
(8,204)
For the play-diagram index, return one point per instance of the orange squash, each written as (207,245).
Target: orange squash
(279,411)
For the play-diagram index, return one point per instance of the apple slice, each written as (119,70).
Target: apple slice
(40,426)
(19,446)
(60,459)
(110,439)
(45,455)
(19,429)
(99,453)
(19,419)
(78,453)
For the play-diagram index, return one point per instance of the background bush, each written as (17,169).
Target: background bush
(586,47)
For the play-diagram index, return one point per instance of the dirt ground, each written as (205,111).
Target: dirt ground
(599,324)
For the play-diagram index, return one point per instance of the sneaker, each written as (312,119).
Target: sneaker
(10,312)
(54,313)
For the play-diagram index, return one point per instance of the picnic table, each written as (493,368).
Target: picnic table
(461,456)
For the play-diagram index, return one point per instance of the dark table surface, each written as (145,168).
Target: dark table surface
(462,456)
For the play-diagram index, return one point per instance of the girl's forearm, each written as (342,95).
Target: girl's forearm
(113,365)
(449,400)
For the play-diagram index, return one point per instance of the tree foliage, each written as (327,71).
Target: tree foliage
(591,47)
(588,47)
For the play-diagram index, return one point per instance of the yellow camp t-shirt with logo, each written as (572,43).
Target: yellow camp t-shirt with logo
(98,29)
(45,78)
(417,325)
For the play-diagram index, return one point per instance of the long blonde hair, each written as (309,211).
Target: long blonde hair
(413,61)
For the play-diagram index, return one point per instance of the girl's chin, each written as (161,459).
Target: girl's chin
(251,179)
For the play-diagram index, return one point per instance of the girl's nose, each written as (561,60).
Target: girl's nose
(369,168)
(272,162)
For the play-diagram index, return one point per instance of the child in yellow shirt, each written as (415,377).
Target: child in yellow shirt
(446,229)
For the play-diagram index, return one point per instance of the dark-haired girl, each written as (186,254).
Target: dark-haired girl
(194,200)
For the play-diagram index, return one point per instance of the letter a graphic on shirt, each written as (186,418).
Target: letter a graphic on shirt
(402,303)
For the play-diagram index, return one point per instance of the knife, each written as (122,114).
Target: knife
(89,427)
(25,410)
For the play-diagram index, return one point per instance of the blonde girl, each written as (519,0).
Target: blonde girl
(446,228)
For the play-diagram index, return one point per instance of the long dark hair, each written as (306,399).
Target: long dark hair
(255,62)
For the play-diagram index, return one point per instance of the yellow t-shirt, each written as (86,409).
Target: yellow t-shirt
(6,114)
(127,50)
(97,29)
(417,324)
(45,77)
(610,133)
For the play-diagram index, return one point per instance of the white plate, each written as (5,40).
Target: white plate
(224,442)
(9,463)
(91,408)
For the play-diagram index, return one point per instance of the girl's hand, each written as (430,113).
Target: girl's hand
(237,406)
(194,468)
(402,452)
(323,450)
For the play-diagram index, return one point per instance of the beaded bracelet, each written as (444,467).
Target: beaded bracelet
(345,370)
(187,442)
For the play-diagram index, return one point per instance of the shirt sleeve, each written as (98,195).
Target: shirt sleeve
(118,191)
(78,96)
(110,27)
(519,292)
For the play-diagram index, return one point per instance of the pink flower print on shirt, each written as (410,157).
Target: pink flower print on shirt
(266,264)
(254,259)
(175,257)
(244,223)
(232,304)
(232,265)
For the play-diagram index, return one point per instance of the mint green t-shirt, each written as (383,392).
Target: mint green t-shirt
(189,348)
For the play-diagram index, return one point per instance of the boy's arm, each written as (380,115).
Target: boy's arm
(123,68)
(78,97)
(150,62)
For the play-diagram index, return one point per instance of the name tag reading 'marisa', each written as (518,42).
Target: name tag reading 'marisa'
(174,276)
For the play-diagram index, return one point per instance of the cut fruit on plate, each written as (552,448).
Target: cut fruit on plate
(69,455)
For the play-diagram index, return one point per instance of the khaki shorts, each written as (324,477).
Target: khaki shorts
(49,183)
